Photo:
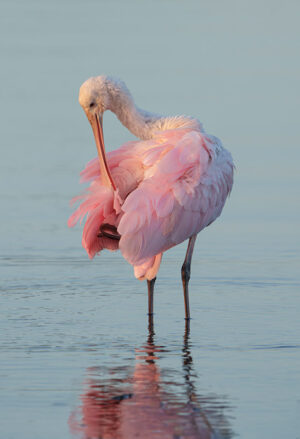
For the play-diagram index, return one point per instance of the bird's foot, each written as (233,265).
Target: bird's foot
(109,231)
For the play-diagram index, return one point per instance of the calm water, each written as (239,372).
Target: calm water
(78,359)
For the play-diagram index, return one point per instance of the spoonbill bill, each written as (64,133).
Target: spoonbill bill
(151,194)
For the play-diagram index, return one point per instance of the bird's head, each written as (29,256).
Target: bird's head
(101,93)
(94,95)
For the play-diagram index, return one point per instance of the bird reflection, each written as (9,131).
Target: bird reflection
(140,403)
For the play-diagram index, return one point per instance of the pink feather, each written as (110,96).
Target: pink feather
(169,188)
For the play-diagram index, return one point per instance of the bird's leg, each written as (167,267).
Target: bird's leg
(150,284)
(186,274)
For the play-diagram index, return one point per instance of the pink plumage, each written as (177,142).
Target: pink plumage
(154,193)
(169,188)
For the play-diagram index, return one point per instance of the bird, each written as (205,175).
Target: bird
(152,193)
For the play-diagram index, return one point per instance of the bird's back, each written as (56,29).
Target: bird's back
(187,178)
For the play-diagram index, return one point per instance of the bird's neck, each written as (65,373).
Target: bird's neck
(144,124)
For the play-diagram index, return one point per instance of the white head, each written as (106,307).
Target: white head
(101,93)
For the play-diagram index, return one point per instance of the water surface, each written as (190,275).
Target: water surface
(77,356)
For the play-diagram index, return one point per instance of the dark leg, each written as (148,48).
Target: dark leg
(150,329)
(150,284)
(186,274)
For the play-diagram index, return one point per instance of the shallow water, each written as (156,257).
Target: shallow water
(77,356)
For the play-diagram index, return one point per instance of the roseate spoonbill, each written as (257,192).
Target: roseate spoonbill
(149,195)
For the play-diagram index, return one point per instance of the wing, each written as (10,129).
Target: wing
(124,165)
(182,192)
(100,204)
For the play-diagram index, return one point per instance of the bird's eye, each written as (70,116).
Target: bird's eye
(92,104)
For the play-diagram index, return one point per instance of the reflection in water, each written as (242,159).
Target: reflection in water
(140,404)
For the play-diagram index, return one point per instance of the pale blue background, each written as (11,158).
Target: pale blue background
(233,64)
